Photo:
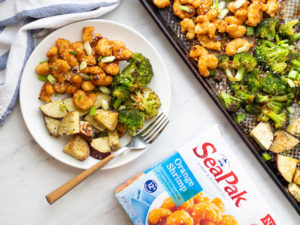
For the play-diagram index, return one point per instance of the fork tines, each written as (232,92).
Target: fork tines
(155,128)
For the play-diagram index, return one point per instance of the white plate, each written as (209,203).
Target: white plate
(30,86)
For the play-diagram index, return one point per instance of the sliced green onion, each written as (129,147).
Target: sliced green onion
(74,53)
(105,90)
(223,13)
(83,65)
(44,61)
(104,104)
(250,31)
(215,4)
(79,97)
(239,3)
(84,76)
(293,74)
(286,152)
(91,77)
(290,82)
(92,110)
(53,67)
(241,49)
(99,58)
(108,59)
(122,107)
(43,78)
(185,8)
(62,106)
(290,109)
(87,48)
(221,5)
(51,79)
(56,94)
(266,156)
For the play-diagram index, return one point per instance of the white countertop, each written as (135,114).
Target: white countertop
(27,173)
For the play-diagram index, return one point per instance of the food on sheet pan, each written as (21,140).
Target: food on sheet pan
(106,100)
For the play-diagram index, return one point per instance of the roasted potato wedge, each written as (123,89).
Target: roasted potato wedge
(283,141)
(101,144)
(294,189)
(69,124)
(286,166)
(263,135)
(77,147)
(52,125)
(85,130)
(100,97)
(296,178)
(107,118)
(294,127)
(114,140)
(54,109)
(94,123)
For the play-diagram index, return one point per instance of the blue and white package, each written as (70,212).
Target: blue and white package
(201,183)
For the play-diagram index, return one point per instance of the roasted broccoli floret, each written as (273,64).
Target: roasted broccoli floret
(244,96)
(279,119)
(253,108)
(275,106)
(253,81)
(224,65)
(267,98)
(273,56)
(243,62)
(271,84)
(267,28)
(120,94)
(133,120)
(137,74)
(240,117)
(286,30)
(230,102)
(146,101)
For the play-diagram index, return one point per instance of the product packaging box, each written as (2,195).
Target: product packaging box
(202,183)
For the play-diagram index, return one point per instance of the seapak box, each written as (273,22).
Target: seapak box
(200,184)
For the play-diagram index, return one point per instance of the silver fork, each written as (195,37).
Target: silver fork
(138,142)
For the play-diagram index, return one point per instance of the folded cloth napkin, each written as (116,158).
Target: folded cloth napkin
(20,21)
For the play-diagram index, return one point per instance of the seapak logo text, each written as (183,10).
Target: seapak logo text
(228,180)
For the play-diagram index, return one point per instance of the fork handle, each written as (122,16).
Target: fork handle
(63,189)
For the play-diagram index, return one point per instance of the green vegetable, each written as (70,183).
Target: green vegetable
(230,102)
(79,97)
(250,31)
(53,67)
(243,62)
(62,106)
(185,8)
(74,53)
(137,74)
(42,78)
(51,79)
(253,81)
(253,108)
(240,117)
(272,84)
(120,94)
(92,110)
(44,61)
(244,96)
(267,28)
(277,107)
(290,109)
(266,156)
(279,119)
(224,65)
(108,59)
(147,102)
(287,30)
(133,120)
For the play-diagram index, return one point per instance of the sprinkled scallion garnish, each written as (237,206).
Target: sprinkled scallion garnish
(74,53)
(104,90)
(186,9)
(63,106)
(223,13)
(51,79)
(79,97)
(83,65)
(53,67)
(99,58)
(104,104)
(108,59)
(92,110)
(250,31)
(44,61)
(266,156)
(43,78)
(241,49)
(87,48)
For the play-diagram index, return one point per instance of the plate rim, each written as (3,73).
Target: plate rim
(167,77)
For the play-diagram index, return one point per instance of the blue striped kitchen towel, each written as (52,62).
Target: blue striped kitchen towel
(22,22)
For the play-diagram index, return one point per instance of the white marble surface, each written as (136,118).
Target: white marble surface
(27,173)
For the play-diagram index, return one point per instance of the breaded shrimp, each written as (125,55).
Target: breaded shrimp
(235,44)
(187,25)
(157,215)
(161,3)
